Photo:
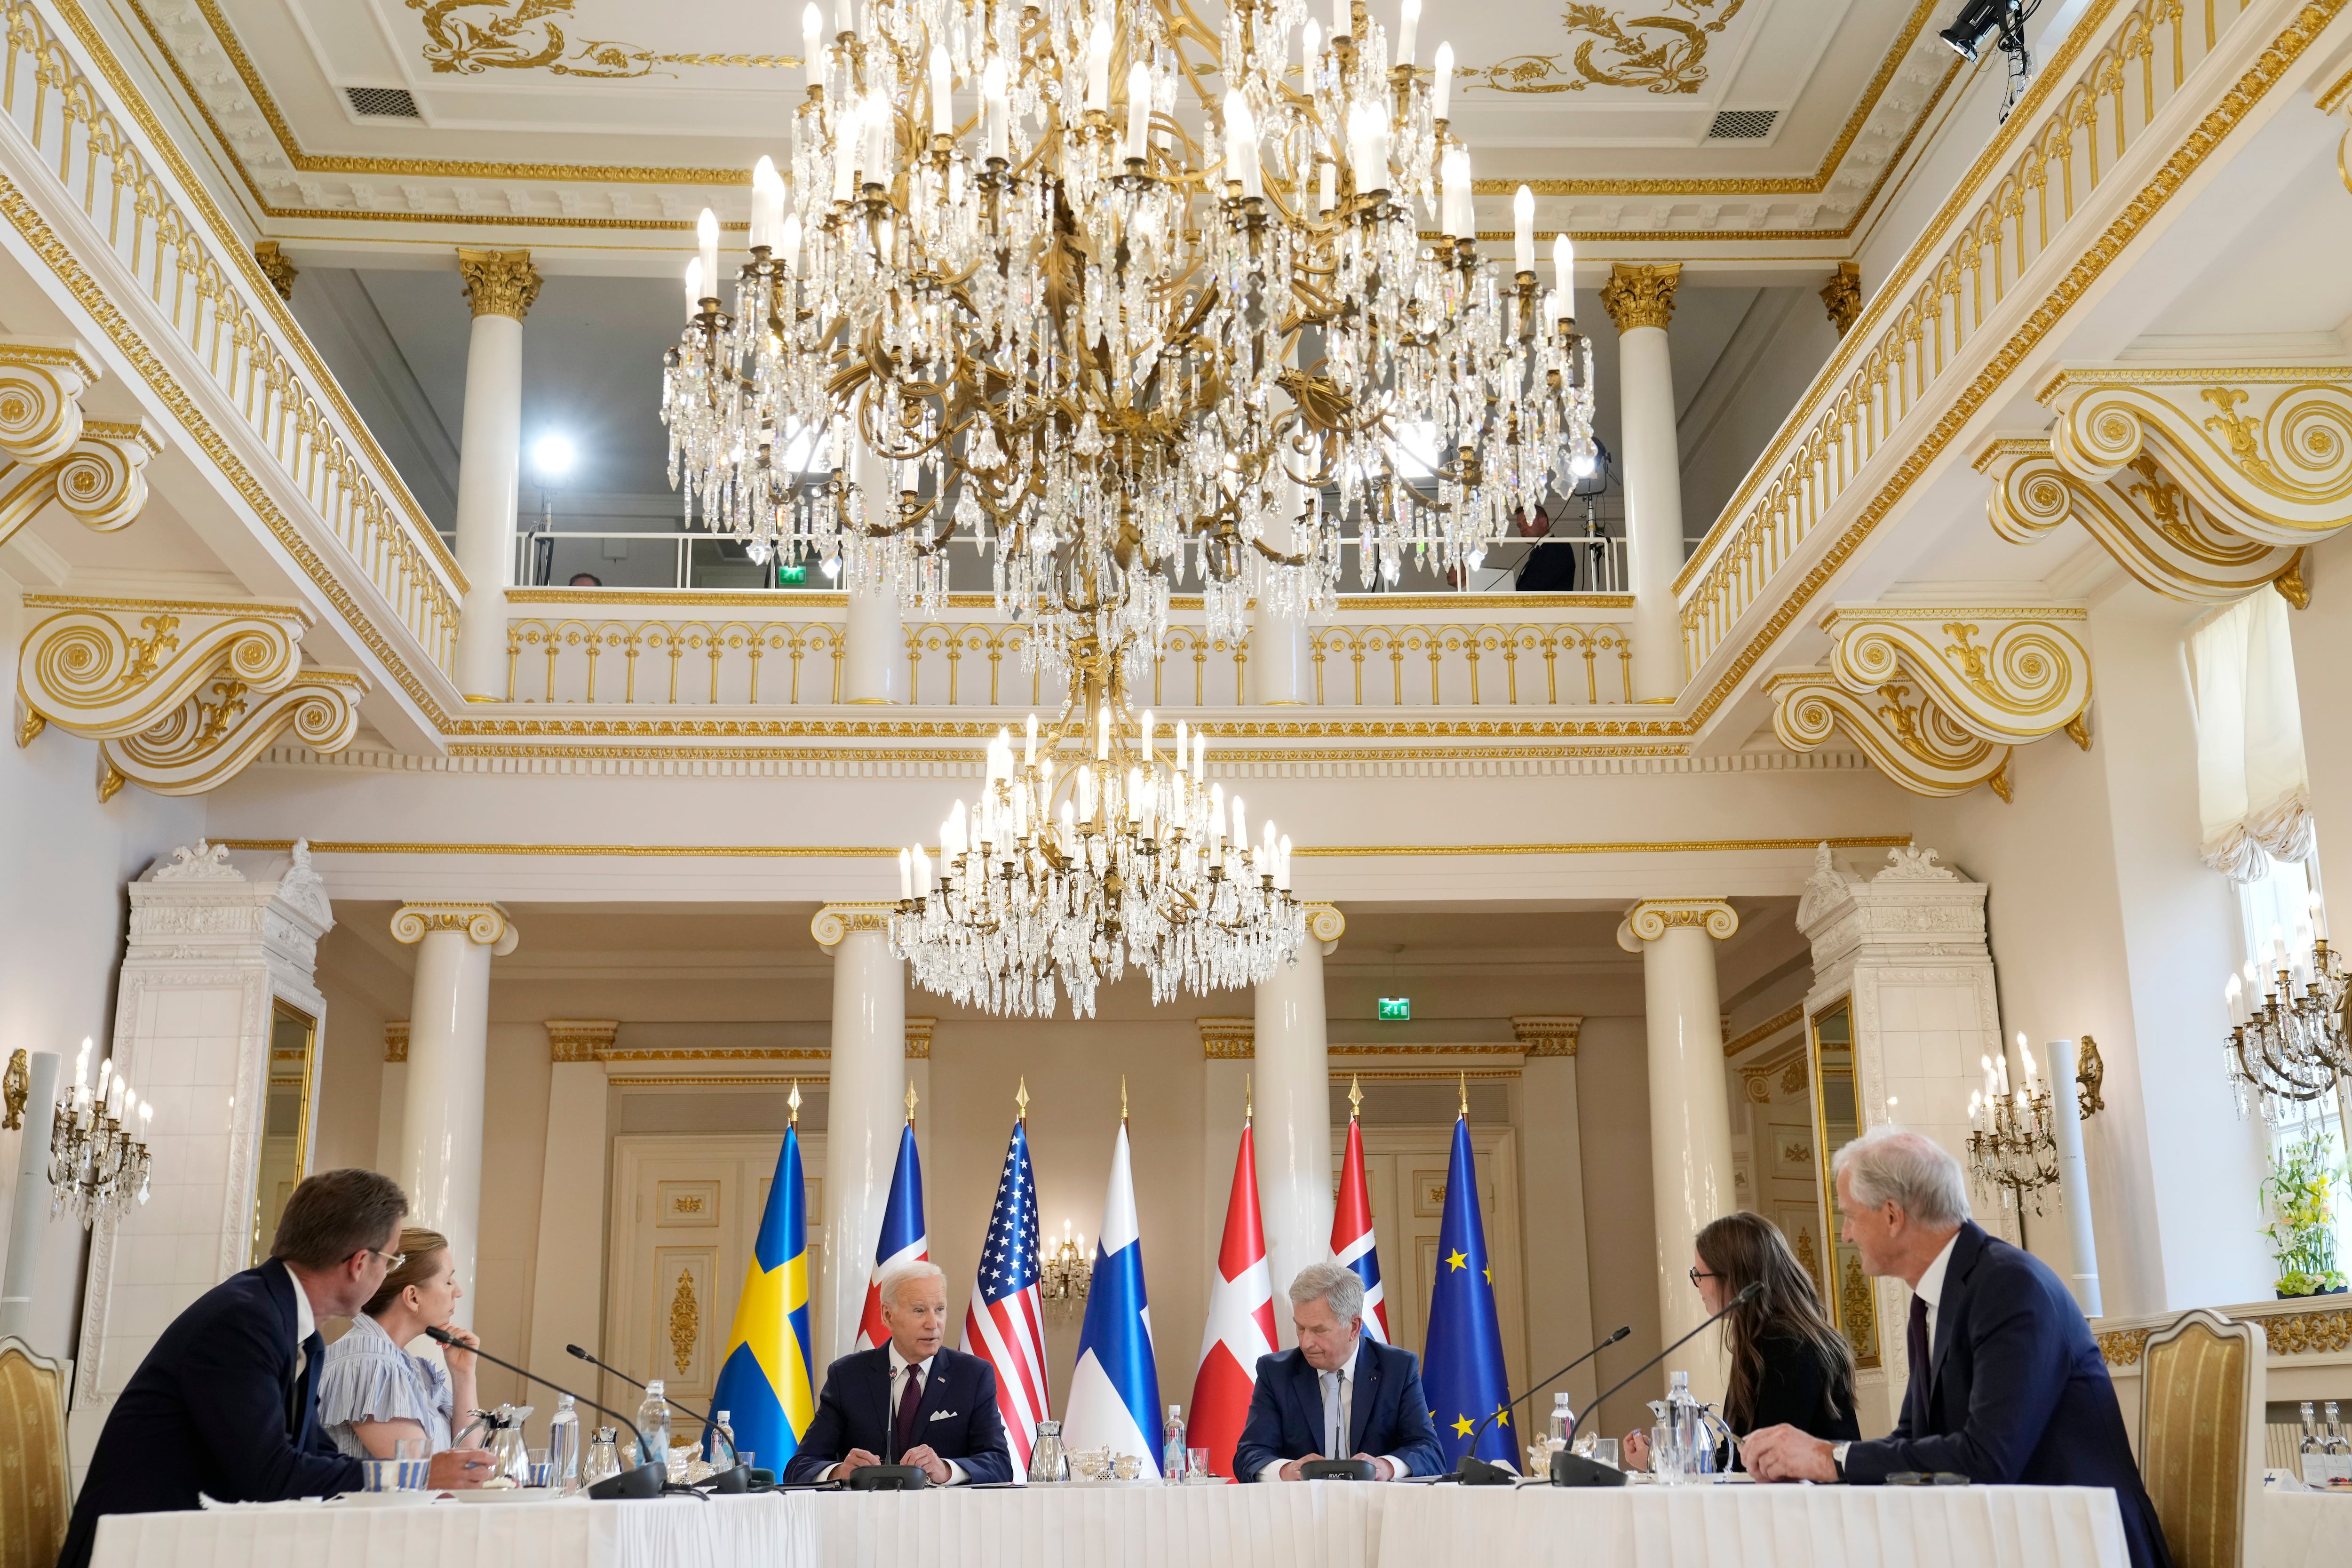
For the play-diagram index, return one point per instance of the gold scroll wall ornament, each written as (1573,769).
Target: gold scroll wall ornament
(216,733)
(466,38)
(1903,733)
(684,1323)
(2152,528)
(2008,676)
(1664,54)
(94,468)
(2266,452)
(108,667)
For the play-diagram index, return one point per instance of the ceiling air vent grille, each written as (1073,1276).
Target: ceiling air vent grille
(391,102)
(1742,125)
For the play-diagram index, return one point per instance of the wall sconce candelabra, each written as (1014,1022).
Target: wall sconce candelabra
(1068,1272)
(2290,1047)
(2013,1143)
(97,1168)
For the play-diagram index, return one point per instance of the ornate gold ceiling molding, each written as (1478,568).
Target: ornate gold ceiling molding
(579,1039)
(105,668)
(1546,1033)
(94,468)
(2151,528)
(1908,738)
(214,735)
(2008,676)
(1764,1030)
(885,852)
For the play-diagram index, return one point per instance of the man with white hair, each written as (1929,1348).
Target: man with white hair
(2007,1386)
(1341,1393)
(910,1402)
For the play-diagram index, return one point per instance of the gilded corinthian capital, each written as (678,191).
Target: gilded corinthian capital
(1640,295)
(499,282)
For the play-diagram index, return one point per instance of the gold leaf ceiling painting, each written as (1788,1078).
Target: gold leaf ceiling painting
(1665,54)
(466,38)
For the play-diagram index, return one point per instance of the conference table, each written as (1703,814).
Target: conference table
(1315,1525)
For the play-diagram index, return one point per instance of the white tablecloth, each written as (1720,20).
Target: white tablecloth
(1326,1525)
(2307,1529)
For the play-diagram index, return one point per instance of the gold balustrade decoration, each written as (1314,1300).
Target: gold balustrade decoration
(742,661)
(206,289)
(2120,64)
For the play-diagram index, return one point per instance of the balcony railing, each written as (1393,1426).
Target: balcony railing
(198,287)
(2119,67)
(786,651)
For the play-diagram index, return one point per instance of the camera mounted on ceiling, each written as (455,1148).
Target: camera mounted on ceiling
(2002,21)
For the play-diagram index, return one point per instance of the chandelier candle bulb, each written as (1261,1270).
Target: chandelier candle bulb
(706,234)
(1310,50)
(763,207)
(943,93)
(813,47)
(1139,110)
(995,94)
(1523,239)
(1407,22)
(1099,65)
(1442,89)
(906,875)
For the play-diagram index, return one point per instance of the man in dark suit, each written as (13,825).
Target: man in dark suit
(1342,1392)
(910,1402)
(226,1402)
(2006,1385)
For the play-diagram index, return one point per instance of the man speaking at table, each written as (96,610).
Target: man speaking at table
(1341,1394)
(910,1402)
(2007,1388)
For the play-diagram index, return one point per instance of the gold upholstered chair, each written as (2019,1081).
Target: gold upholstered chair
(2202,1437)
(35,1494)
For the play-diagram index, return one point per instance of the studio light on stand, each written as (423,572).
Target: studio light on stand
(2003,21)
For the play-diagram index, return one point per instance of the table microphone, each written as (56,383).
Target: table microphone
(645,1480)
(1569,1469)
(1478,1472)
(736,1478)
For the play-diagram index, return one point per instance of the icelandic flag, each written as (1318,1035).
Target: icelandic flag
(764,1378)
(1351,1234)
(1240,1321)
(902,1239)
(1462,1362)
(1004,1323)
(1115,1392)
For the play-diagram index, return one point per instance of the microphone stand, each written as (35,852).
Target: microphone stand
(1476,1472)
(735,1478)
(645,1480)
(1569,1469)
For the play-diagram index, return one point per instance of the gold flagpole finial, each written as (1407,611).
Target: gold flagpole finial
(1355,1098)
(1020,1102)
(1466,1097)
(910,1105)
(1122,1097)
(795,1101)
(1249,1100)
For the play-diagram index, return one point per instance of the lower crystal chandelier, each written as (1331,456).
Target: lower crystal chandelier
(2291,1046)
(96,1167)
(1110,351)
(1092,849)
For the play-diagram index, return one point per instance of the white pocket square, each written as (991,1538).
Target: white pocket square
(944,1414)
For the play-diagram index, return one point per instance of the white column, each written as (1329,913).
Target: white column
(866,1105)
(1641,300)
(448,1044)
(873,651)
(501,284)
(1293,1111)
(1281,658)
(29,1216)
(567,1292)
(1690,1115)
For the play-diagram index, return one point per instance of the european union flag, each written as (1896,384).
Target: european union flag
(764,1379)
(1462,1360)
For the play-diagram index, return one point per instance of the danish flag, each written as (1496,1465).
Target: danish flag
(1240,1321)
(1351,1234)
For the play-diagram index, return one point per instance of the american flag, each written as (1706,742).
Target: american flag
(1005,1322)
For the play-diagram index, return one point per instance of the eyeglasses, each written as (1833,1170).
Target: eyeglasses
(1697,1274)
(391,1260)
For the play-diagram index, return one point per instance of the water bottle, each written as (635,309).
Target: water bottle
(563,1448)
(1563,1421)
(1171,1463)
(653,1420)
(723,1431)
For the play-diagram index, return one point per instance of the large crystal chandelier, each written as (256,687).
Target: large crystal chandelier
(1090,850)
(97,1168)
(1113,343)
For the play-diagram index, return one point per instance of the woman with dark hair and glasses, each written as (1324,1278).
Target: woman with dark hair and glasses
(1790,1366)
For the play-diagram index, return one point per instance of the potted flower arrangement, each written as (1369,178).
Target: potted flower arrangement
(2300,1195)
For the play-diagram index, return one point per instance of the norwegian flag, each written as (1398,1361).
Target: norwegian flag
(1005,1322)
(1240,1321)
(1351,1234)
(903,1237)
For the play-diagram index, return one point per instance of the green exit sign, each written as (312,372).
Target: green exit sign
(795,574)
(1396,1009)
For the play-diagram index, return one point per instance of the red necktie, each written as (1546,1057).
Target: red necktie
(902,1435)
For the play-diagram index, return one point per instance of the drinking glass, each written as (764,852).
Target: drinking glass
(408,1448)
(1605,1451)
(1196,1464)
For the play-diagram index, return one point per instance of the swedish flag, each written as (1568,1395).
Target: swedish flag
(1462,1360)
(764,1379)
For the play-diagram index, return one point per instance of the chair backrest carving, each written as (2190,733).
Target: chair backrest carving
(36,1491)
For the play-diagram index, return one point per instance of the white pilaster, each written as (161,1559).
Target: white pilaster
(567,1294)
(29,1211)
(501,285)
(449,1045)
(1293,1071)
(873,639)
(1690,1114)
(864,1106)
(1641,300)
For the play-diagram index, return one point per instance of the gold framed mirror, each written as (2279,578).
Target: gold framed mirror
(284,1119)
(1837,1111)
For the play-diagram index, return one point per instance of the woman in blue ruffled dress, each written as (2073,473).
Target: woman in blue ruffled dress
(372,1391)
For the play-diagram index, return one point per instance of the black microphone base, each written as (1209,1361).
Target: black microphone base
(645,1480)
(735,1478)
(1339,1470)
(1575,1470)
(889,1478)
(1476,1472)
